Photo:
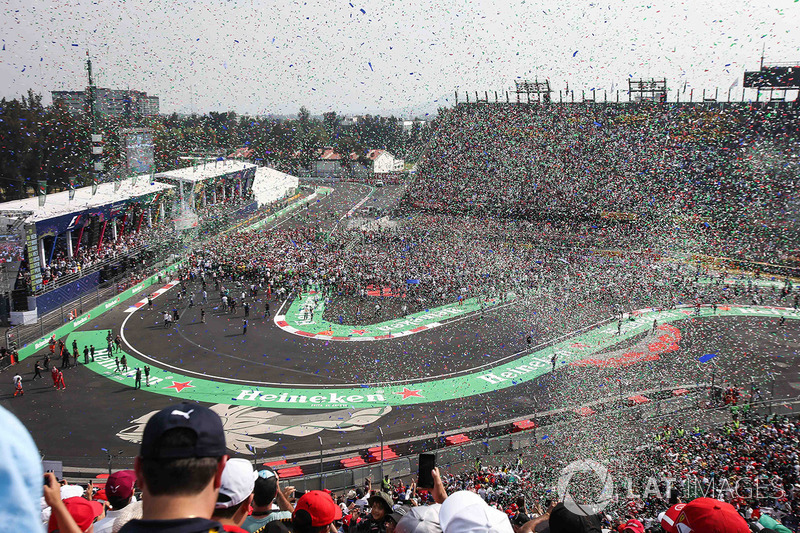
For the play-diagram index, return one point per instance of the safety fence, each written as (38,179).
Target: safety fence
(496,449)
(506,448)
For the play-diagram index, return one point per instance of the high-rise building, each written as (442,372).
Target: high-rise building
(110,102)
(74,100)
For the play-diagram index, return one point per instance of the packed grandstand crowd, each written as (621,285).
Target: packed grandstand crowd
(741,478)
(87,258)
(725,170)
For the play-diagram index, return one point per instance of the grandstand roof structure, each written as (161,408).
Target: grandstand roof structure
(59,204)
(206,171)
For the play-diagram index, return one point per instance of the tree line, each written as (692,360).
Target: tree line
(39,142)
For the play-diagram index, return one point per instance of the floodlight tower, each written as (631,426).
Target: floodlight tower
(539,89)
(651,90)
(775,77)
(97,138)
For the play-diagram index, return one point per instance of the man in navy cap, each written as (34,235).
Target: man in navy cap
(179,468)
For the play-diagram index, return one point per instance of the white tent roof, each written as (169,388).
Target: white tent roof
(58,204)
(202,172)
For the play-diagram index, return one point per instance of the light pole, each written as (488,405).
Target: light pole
(110,457)
(321,477)
(771,393)
(381,430)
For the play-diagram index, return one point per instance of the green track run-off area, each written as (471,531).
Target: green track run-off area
(524,368)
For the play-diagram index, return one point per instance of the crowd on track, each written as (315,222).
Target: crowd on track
(437,259)
(740,478)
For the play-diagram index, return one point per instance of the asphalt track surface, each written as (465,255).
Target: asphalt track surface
(74,425)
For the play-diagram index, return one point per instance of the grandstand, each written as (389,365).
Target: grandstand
(63,249)
(643,161)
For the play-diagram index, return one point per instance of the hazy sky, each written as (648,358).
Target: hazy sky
(261,56)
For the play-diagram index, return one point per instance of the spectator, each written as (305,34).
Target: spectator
(466,512)
(20,476)
(562,520)
(361,498)
(267,488)
(72,514)
(235,495)
(314,513)
(119,491)
(179,468)
(706,515)
(380,508)
(633,526)
(423,519)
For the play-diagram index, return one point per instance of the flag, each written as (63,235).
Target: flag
(95,182)
(734,84)
(42,192)
(117,180)
(71,188)
(133,179)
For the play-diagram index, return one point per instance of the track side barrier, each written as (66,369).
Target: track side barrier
(62,331)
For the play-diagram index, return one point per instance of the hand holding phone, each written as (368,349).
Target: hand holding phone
(52,490)
(427,462)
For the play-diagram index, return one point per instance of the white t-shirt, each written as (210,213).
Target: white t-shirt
(106,525)
(362,502)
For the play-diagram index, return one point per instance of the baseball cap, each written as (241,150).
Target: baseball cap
(707,515)
(669,517)
(319,506)
(82,510)
(420,519)
(120,484)
(562,520)
(236,484)
(633,525)
(466,512)
(204,422)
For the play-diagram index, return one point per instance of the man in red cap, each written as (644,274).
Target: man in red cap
(633,526)
(315,511)
(72,514)
(119,493)
(707,515)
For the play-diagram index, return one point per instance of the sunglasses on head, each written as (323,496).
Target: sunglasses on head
(266,474)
